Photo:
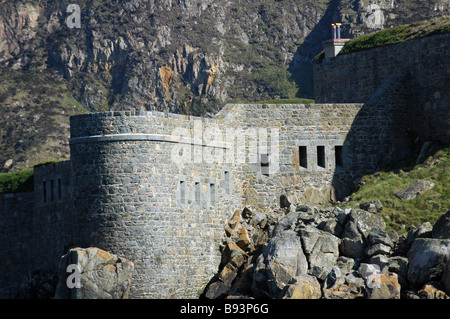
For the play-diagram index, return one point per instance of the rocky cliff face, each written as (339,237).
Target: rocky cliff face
(185,56)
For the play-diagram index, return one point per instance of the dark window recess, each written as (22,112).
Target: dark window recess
(182,192)
(303,156)
(339,160)
(265,164)
(52,191)
(227,182)
(321,156)
(212,194)
(44,191)
(59,189)
(197,192)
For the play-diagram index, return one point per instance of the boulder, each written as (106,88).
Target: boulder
(287,222)
(321,249)
(372,207)
(399,265)
(378,249)
(353,248)
(233,257)
(424,230)
(281,260)
(379,236)
(348,286)
(362,222)
(383,286)
(415,189)
(427,260)
(432,290)
(441,228)
(303,287)
(331,226)
(94,274)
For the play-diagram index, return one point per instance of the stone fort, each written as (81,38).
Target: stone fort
(158,188)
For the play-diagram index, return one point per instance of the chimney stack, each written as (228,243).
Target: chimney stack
(338,30)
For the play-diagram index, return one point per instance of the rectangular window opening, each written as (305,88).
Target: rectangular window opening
(197,192)
(44,191)
(212,194)
(227,182)
(183,192)
(264,164)
(321,156)
(59,189)
(303,155)
(52,191)
(339,160)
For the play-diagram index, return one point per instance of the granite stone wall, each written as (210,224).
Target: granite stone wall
(419,70)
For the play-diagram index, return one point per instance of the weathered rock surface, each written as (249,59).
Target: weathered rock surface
(282,259)
(427,260)
(303,287)
(299,257)
(441,228)
(415,189)
(99,275)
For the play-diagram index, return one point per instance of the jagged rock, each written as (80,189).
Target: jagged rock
(424,230)
(441,228)
(331,226)
(348,286)
(414,189)
(378,249)
(282,260)
(427,260)
(345,264)
(399,265)
(383,286)
(233,258)
(432,290)
(372,207)
(102,275)
(287,222)
(341,214)
(321,249)
(353,248)
(303,287)
(378,236)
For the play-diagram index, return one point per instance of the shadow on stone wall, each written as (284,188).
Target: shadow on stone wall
(301,66)
(391,126)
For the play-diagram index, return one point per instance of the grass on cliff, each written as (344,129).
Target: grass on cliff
(398,34)
(427,207)
(34,125)
(17,182)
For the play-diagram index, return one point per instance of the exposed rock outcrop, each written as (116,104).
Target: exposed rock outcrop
(92,273)
(300,255)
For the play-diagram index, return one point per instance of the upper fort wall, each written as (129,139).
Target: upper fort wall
(415,74)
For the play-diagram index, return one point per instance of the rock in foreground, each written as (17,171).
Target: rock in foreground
(92,273)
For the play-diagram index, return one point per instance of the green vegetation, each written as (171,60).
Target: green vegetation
(35,108)
(429,206)
(398,34)
(17,182)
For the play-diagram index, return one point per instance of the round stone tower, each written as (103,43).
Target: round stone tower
(133,200)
